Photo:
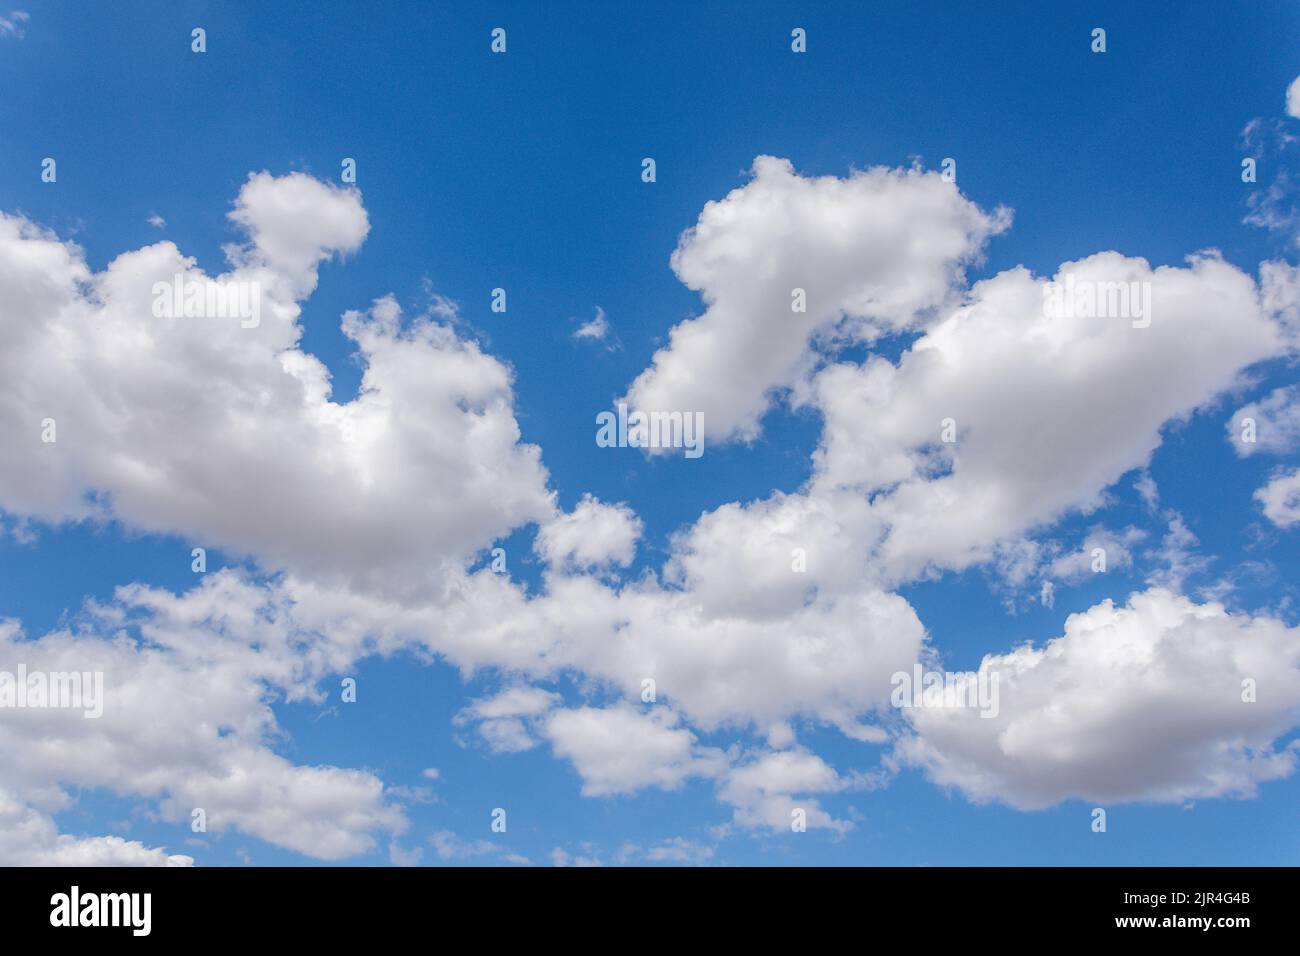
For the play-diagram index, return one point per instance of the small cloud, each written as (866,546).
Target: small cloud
(506,721)
(1293,98)
(453,849)
(1146,488)
(14,25)
(400,857)
(596,330)
(680,850)
(587,858)
(439,306)
(444,308)
(430,773)
(157,221)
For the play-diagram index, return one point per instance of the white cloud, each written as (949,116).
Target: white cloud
(1137,702)
(621,750)
(1280,499)
(768,790)
(1276,424)
(453,848)
(1176,555)
(1047,412)
(562,857)
(595,329)
(1293,98)
(878,248)
(186,719)
(740,560)
(1279,294)
(506,720)
(294,223)
(680,850)
(1076,565)
(399,856)
(593,535)
(14,25)
(30,838)
(227,435)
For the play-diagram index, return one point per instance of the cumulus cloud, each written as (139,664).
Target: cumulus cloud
(30,838)
(595,329)
(594,534)
(1116,547)
(875,251)
(764,612)
(294,223)
(227,435)
(1293,98)
(1146,701)
(769,789)
(621,750)
(505,720)
(1279,293)
(680,850)
(1280,499)
(1044,412)
(186,719)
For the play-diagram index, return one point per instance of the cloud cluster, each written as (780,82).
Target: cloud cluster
(765,616)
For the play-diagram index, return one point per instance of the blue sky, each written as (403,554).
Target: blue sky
(523,171)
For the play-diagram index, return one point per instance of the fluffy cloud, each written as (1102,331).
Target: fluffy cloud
(1280,498)
(186,723)
(1276,420)
(1075,565)
(621,750)
(1046,411)
(768,790)
(505,720)
(227,434)
(1279,294)
(592,535)
(595,329)
(294,223)
(745,561)
(764,612)
(1139,702)
(30,838)
(878,249)
(454,849)
(1293,98)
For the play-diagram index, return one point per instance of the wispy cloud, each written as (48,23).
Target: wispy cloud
(596,330)
(15,24)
